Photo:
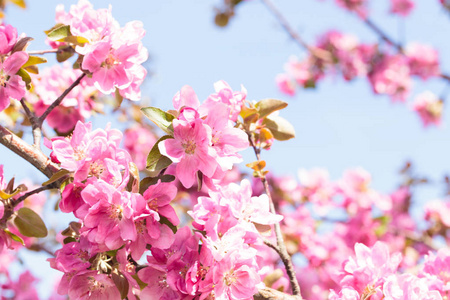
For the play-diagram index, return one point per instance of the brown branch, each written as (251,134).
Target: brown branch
(11,203)
(27,152)
(281,247)
(35,124)
(318,53)
(60,98)
(393,43)
(383,35)
(41,52)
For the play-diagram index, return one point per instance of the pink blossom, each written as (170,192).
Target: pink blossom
(232,99)
(286,84)
(138,141)
(235,278)
(402,7)
(91,285)
(429,108)
(11,85)
(423,60)
(370,267)
(109,221)
(23,288)
(8,38)
(191,149)
(358,6)
(392,77)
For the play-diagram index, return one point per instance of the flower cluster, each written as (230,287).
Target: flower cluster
(12,85)
(112,55)
(338,53)
(204,137)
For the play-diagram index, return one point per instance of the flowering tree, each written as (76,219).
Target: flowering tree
(163,212)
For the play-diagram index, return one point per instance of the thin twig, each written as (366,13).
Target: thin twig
(35,191)
(281,247)
(35,124)
(60,98)
(383,35)
(41,52)
(41,247)
(318,53)
(11,203)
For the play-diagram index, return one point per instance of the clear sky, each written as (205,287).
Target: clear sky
(339,125)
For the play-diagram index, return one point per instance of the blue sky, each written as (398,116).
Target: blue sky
(339,125)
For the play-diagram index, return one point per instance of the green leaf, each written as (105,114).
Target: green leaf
(34,60)
(15,237)
(30,223)
(281,129)
(59,33)
(267,106)
(165,221)
(76,40)
(55,177)
(162,119)
(25,77)
(64,54)
(148,181)
(121,283)
(155,160)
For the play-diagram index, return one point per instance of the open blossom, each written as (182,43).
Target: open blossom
(358,6)
(113,54)
(11,85)
(8,38)
(423,60)
(402,7)
(392,77)
(190,148)
(90,153)
(429,107)
(137,141)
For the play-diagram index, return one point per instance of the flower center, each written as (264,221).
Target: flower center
(229,278)
(189,147)
(116,212)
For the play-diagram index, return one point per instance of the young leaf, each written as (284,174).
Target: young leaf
(15,237)
(25,77)
(30,223)
(121,283)
(148,181)
(59,33)
(281,129)
(64,54)
(162,119)
(76,40)
(155,160)
(55,177)
(34,60)
(22,44)
(267,106)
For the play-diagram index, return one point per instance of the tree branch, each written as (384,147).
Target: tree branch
(60,98)
(318,53)
(281,247)
(35,124)
(41,52)
(27,152)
